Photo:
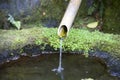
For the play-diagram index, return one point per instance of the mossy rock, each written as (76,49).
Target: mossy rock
(77,40)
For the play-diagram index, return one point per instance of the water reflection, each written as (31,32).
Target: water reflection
(76,67)
(61,75)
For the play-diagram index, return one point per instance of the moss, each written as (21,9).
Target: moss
(13,39)
(85,40)
(48,9)
(111,16)
(77,40)
(54,9)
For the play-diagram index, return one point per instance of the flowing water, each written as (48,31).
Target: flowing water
(59,69)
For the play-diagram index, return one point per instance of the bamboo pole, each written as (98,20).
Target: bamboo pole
(68,18)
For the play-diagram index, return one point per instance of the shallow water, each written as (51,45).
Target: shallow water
(76,67)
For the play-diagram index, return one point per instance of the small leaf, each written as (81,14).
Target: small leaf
(92,25)
(17,24)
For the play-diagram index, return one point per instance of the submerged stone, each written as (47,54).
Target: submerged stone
(112,63)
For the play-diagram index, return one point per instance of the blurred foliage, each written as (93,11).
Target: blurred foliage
(96,7)
(17,24)
(91,9)
(83,23)
(47,9)
(109,11)
(2,16)
(112,16)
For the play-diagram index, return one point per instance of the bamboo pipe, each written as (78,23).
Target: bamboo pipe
(68,18)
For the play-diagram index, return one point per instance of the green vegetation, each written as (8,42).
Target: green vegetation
(109,11)
(111,17)
(17,24)
(47,10)
(77,40)
(85,40)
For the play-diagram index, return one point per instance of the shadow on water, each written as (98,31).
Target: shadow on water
(76,67)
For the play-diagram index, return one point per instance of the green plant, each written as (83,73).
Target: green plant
(77,40)
(91,9)
(92,25)
(80,40)
(17,24)
(96,6)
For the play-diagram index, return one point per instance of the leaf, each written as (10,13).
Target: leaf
(92,25)
(10,18)
(17,24)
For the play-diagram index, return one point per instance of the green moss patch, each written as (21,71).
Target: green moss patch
(80,39)
(77,40)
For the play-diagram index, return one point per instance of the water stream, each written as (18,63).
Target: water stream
(60,68)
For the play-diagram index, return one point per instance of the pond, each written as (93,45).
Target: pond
(76,67)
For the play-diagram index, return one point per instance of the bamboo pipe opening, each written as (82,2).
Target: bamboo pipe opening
(63,31)
(68,18)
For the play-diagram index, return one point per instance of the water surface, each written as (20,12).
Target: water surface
(76,67)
